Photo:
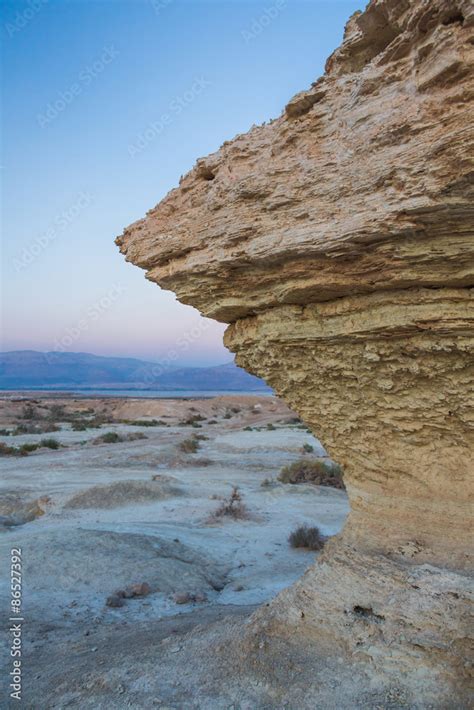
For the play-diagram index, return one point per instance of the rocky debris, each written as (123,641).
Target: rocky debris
(337,242)
(14,510)
(189,598)
(117,599)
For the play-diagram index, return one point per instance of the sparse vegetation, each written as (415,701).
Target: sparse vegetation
(306,537)
(314,471)
(110,437)
(144,422)
(39,428)
(29,412)
(6,450)
(50,443)
(136,435)
(189,446)
(193,420)
(231,507)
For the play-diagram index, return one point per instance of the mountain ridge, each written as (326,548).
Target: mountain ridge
(26,369)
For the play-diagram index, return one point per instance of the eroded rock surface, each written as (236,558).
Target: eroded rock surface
(337,241)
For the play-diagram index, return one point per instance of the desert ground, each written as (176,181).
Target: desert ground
(126,552)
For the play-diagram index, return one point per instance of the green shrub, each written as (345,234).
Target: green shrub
(312,471)
(307,538)
(110,437)
(11,450)
(50,443)
(28,448)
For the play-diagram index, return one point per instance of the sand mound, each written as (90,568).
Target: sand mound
(122,493)
(101,561)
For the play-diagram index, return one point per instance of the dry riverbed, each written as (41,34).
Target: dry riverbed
(121,545)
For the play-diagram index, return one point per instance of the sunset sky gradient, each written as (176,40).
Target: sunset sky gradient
(86,150)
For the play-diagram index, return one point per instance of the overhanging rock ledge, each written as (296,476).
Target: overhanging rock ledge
(337,242)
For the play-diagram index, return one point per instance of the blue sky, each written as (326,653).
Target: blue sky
(86,150)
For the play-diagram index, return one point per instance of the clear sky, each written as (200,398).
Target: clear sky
(86,84)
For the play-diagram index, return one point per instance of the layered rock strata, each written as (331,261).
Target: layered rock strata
(337,242)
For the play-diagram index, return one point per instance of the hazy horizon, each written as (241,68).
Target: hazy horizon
(106,105)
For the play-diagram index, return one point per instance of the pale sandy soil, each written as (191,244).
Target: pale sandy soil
(87,546)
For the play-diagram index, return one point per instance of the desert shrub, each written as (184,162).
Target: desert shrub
(235,410)
(5,432)
(145,422)
(212,421)
(271,427)
(110,437)
(28,448)
(227,415)
(29,412)
(307,448)
(79,426)
(248,428)
(11,450)
(193,420)
(50,443)
(232,507)
(57,412)
(268,483)
(306,537)
(136,435)
(40,428)
(312,471)
(189,446)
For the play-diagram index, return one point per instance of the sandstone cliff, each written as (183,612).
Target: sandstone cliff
(337,242)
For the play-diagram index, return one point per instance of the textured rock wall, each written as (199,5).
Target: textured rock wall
(338,243)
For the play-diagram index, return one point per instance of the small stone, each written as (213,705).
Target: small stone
(115,601)
(183,598)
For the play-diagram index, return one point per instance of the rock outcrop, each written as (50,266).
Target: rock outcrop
(337,242)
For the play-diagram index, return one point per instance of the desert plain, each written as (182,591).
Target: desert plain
(125,551)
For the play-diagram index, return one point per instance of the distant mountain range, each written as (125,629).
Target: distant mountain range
(29,369)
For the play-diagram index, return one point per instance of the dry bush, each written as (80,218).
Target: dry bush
(110,437)
(135,436)
(50,443)
(11,450)
(231,507)
(320,473)
(307,538)
(189,446)
(44,427)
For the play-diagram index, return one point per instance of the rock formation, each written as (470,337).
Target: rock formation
(337,242)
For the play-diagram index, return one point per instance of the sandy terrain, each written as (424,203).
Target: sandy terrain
(117,514)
